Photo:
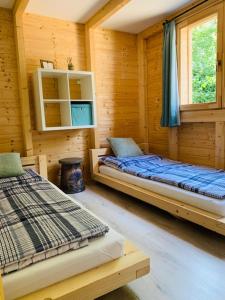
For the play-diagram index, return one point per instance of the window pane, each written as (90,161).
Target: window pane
(204,49)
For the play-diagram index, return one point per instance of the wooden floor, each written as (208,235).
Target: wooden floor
(187,261)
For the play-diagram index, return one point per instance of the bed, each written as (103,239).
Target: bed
(183,204)
(106,264)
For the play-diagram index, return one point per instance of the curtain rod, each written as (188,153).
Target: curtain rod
(184,12)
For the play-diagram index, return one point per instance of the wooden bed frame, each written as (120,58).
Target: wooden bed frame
(37,163)
(95,282)
(206,219)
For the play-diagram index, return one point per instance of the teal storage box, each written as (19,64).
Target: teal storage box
(81,114)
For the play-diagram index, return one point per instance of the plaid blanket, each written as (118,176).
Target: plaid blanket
(38,222)
(206,181)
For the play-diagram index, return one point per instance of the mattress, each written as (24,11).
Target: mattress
(203,202)
(55,269)
(39,222)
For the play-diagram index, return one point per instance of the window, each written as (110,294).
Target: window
(199,60)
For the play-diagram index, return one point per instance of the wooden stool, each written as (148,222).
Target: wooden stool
(71,175)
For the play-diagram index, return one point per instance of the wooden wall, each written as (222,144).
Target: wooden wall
(158,136)
(10,119)
(116,84)
(117,91)
(116,81)
(196,141)
(55,40)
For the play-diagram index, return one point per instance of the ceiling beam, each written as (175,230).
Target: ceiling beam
(19,7)
(106,12)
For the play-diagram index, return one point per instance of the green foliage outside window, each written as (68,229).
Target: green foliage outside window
(204,49)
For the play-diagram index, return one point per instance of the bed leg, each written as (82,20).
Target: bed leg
(1,290)
(143,271)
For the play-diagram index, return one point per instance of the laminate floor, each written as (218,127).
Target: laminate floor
(187,261)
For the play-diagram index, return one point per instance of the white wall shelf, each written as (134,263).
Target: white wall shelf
(83,100)
(56,100)
(64,99)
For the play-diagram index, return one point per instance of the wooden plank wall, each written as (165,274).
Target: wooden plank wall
(116,84)
(10,118)
(196,141)
(158,136)
(117,91)
(116,81)
(55,40)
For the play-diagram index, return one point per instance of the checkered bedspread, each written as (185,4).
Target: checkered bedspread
(38,222)
(206,181)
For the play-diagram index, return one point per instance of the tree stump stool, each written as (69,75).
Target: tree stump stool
(71,175)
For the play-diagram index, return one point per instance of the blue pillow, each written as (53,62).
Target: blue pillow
(124,147)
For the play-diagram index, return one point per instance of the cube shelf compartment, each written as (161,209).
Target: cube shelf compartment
(54,87)
(64,99)
(81,113)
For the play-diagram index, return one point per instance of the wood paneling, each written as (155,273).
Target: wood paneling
(142,89)
(158,136)
(219,145)
(10,117)
(55,40)
(61,144)
(196,141)
(116,84)
(50,88)
(52,114)
(75,91)
(117,91)
(173,143)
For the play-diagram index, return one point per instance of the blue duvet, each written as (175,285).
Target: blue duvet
(206,181)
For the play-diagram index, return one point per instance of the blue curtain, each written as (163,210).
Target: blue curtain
(170,95)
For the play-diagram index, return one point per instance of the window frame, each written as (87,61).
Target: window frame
(192,21)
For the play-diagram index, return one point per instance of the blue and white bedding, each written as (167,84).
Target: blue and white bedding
(202,180)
